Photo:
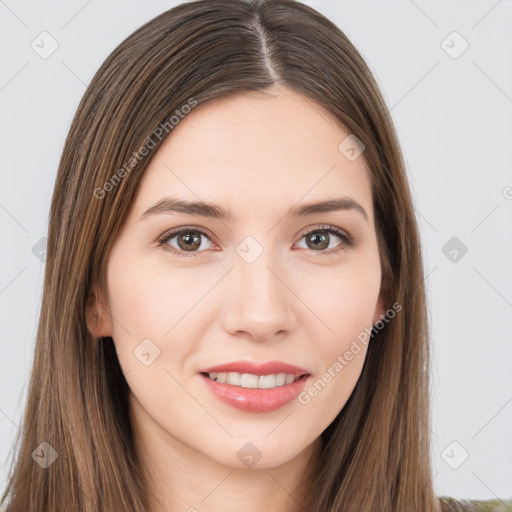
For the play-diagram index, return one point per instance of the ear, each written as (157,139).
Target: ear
(379,310)
(97,314)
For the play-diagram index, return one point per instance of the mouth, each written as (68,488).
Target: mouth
(255,386)
(254,381)
(254,393)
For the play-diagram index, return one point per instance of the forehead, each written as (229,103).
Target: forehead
(254,150)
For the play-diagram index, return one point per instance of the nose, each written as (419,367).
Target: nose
(260,304)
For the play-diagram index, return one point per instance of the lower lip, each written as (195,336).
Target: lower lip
(255,399)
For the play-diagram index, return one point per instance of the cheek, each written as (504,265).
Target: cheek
(137,304)
(145,305)
(343,299)
(144,297)
(140,312)
(343,306)
(341,343)
(150,301)
(342,348)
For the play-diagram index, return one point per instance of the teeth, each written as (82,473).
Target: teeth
(266,381)
(248,380)
(289,379)
(233,378)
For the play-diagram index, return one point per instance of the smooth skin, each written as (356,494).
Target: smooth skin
(256,155)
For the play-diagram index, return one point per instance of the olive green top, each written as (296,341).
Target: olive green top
(454,505)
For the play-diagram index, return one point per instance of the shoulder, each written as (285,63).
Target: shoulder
(453,505)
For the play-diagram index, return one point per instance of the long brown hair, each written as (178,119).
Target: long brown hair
(376,453)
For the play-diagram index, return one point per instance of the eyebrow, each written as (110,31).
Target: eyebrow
(201,209)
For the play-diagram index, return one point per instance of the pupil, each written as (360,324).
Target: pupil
(322,244)
(189,241)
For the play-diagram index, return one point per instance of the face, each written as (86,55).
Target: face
(263,283)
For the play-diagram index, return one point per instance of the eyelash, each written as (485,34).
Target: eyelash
(348,241)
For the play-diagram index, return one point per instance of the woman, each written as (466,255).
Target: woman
(233,310)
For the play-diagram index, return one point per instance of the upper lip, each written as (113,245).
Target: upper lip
(257,368)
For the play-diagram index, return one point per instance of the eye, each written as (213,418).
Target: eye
(322,236)
(189,241)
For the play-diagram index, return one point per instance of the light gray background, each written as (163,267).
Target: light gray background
(453,117)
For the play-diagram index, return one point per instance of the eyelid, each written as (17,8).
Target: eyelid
(175,231)
(348,240)
(168,235)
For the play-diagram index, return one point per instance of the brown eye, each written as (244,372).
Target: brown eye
(319,239)
(187,241)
